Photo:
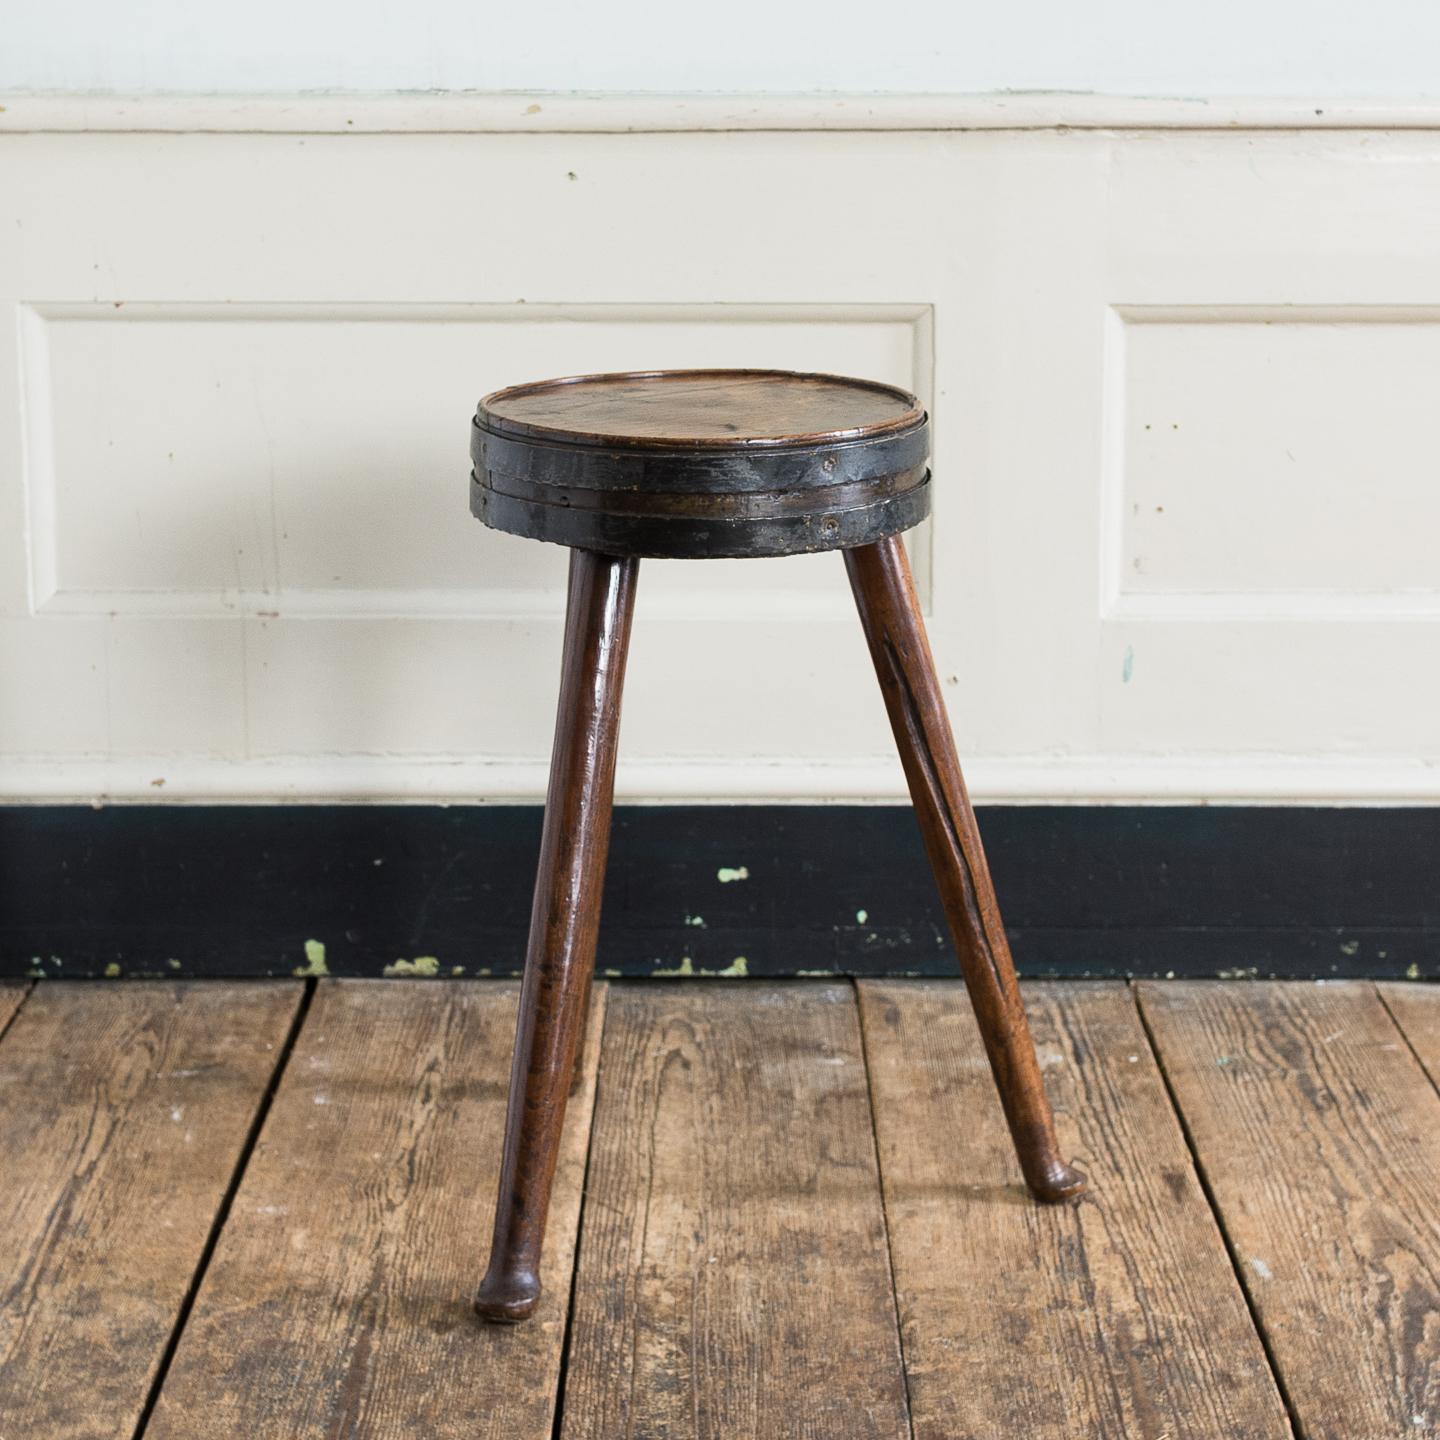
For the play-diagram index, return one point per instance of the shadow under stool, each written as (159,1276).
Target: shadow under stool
(696,464)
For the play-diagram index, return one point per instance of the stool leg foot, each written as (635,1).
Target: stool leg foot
(564,921)
(890,613)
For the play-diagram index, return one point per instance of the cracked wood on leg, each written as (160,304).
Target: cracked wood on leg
(564,921)
(124,1109)
(1115,1318)
(890,613)
(338,1299)
(733,1276)
(1319,1136)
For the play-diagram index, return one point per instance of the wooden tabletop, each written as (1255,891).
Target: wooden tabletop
(700,409)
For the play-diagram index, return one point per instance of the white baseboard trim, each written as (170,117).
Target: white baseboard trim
(1071,779)
(487,113)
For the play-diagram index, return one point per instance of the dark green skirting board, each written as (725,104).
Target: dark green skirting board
(756,889)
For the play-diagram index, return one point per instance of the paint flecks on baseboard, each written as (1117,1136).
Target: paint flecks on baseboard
(314,965)
(424,966)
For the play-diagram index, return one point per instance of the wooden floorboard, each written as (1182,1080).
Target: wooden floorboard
(1319,1136)
(734,1270)
(1116,1316)
(733,1277)
(338,1301)
(1416,1009)
(124,1111)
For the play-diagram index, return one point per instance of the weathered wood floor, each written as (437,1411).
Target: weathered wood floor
(783,1210)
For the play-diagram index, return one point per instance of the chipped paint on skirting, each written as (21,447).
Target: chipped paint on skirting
(426,966)
(737,969)
(314,965)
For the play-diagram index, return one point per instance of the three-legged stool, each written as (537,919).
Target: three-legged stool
(696,463)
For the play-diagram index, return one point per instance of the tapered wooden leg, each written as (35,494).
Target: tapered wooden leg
(890,613)
(564,921)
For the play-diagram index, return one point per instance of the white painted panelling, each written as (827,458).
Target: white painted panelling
(1277,458)
(297,603)
(288,460)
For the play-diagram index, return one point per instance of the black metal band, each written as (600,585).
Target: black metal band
(704,536)
(723,505)
(699,472)
(774,500)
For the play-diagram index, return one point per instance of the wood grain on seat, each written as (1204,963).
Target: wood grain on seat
(703,408)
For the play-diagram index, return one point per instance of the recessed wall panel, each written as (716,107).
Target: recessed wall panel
(214,460)
(1274,452)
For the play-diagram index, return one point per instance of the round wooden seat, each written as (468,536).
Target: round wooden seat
(701,463)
